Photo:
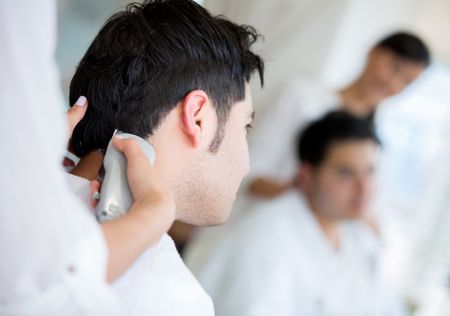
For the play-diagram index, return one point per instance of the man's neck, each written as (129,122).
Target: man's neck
(355,100)
(89,166)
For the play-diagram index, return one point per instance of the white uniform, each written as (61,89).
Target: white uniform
(158,283)
(53,256)
(277,261)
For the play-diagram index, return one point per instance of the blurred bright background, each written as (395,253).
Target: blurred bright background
(327,40)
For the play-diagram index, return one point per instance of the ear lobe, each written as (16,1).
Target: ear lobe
(193,108)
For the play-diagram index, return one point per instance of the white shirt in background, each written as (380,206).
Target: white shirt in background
(277,261)
(158,282)
(53,257)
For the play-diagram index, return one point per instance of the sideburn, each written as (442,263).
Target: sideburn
(218,137)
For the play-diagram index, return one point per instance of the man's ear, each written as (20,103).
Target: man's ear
(196,110)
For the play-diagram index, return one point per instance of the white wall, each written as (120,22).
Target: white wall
(434,22)
(365,22)
(328,40)
(298,37)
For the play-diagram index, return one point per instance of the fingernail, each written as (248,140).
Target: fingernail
(81,101)
(118,134)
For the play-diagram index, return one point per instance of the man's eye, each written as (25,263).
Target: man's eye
(248,127)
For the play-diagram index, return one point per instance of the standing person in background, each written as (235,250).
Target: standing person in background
(392,64)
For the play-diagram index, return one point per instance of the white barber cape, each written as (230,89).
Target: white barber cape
(276,261)
(158,283)
(53,257)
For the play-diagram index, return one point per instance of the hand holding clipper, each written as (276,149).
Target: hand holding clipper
(116,197)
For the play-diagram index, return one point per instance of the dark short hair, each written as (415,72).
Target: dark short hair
(408,46)
(148,57)
(316,139)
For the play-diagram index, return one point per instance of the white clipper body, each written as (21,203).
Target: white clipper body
(116,197)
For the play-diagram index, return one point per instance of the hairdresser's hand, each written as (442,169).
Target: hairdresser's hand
(75,114)
(144,181)
(150,216)
(145,185)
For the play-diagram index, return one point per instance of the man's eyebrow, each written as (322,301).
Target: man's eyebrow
(252,115)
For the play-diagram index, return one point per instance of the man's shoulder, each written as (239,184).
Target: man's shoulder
(160,260)
(159,278)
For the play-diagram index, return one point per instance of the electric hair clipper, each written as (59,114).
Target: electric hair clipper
(116,197)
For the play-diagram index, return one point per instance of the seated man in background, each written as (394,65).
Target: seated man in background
(173,74)
(307,252)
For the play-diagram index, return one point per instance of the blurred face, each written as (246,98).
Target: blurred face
(209,187)
(388,74)
(342,185)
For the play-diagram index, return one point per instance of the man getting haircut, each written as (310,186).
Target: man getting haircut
(173,74)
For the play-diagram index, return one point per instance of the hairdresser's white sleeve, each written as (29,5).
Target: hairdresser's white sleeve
(53,257)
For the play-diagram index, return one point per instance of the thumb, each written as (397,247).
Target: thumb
(131,149)
(76,113)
